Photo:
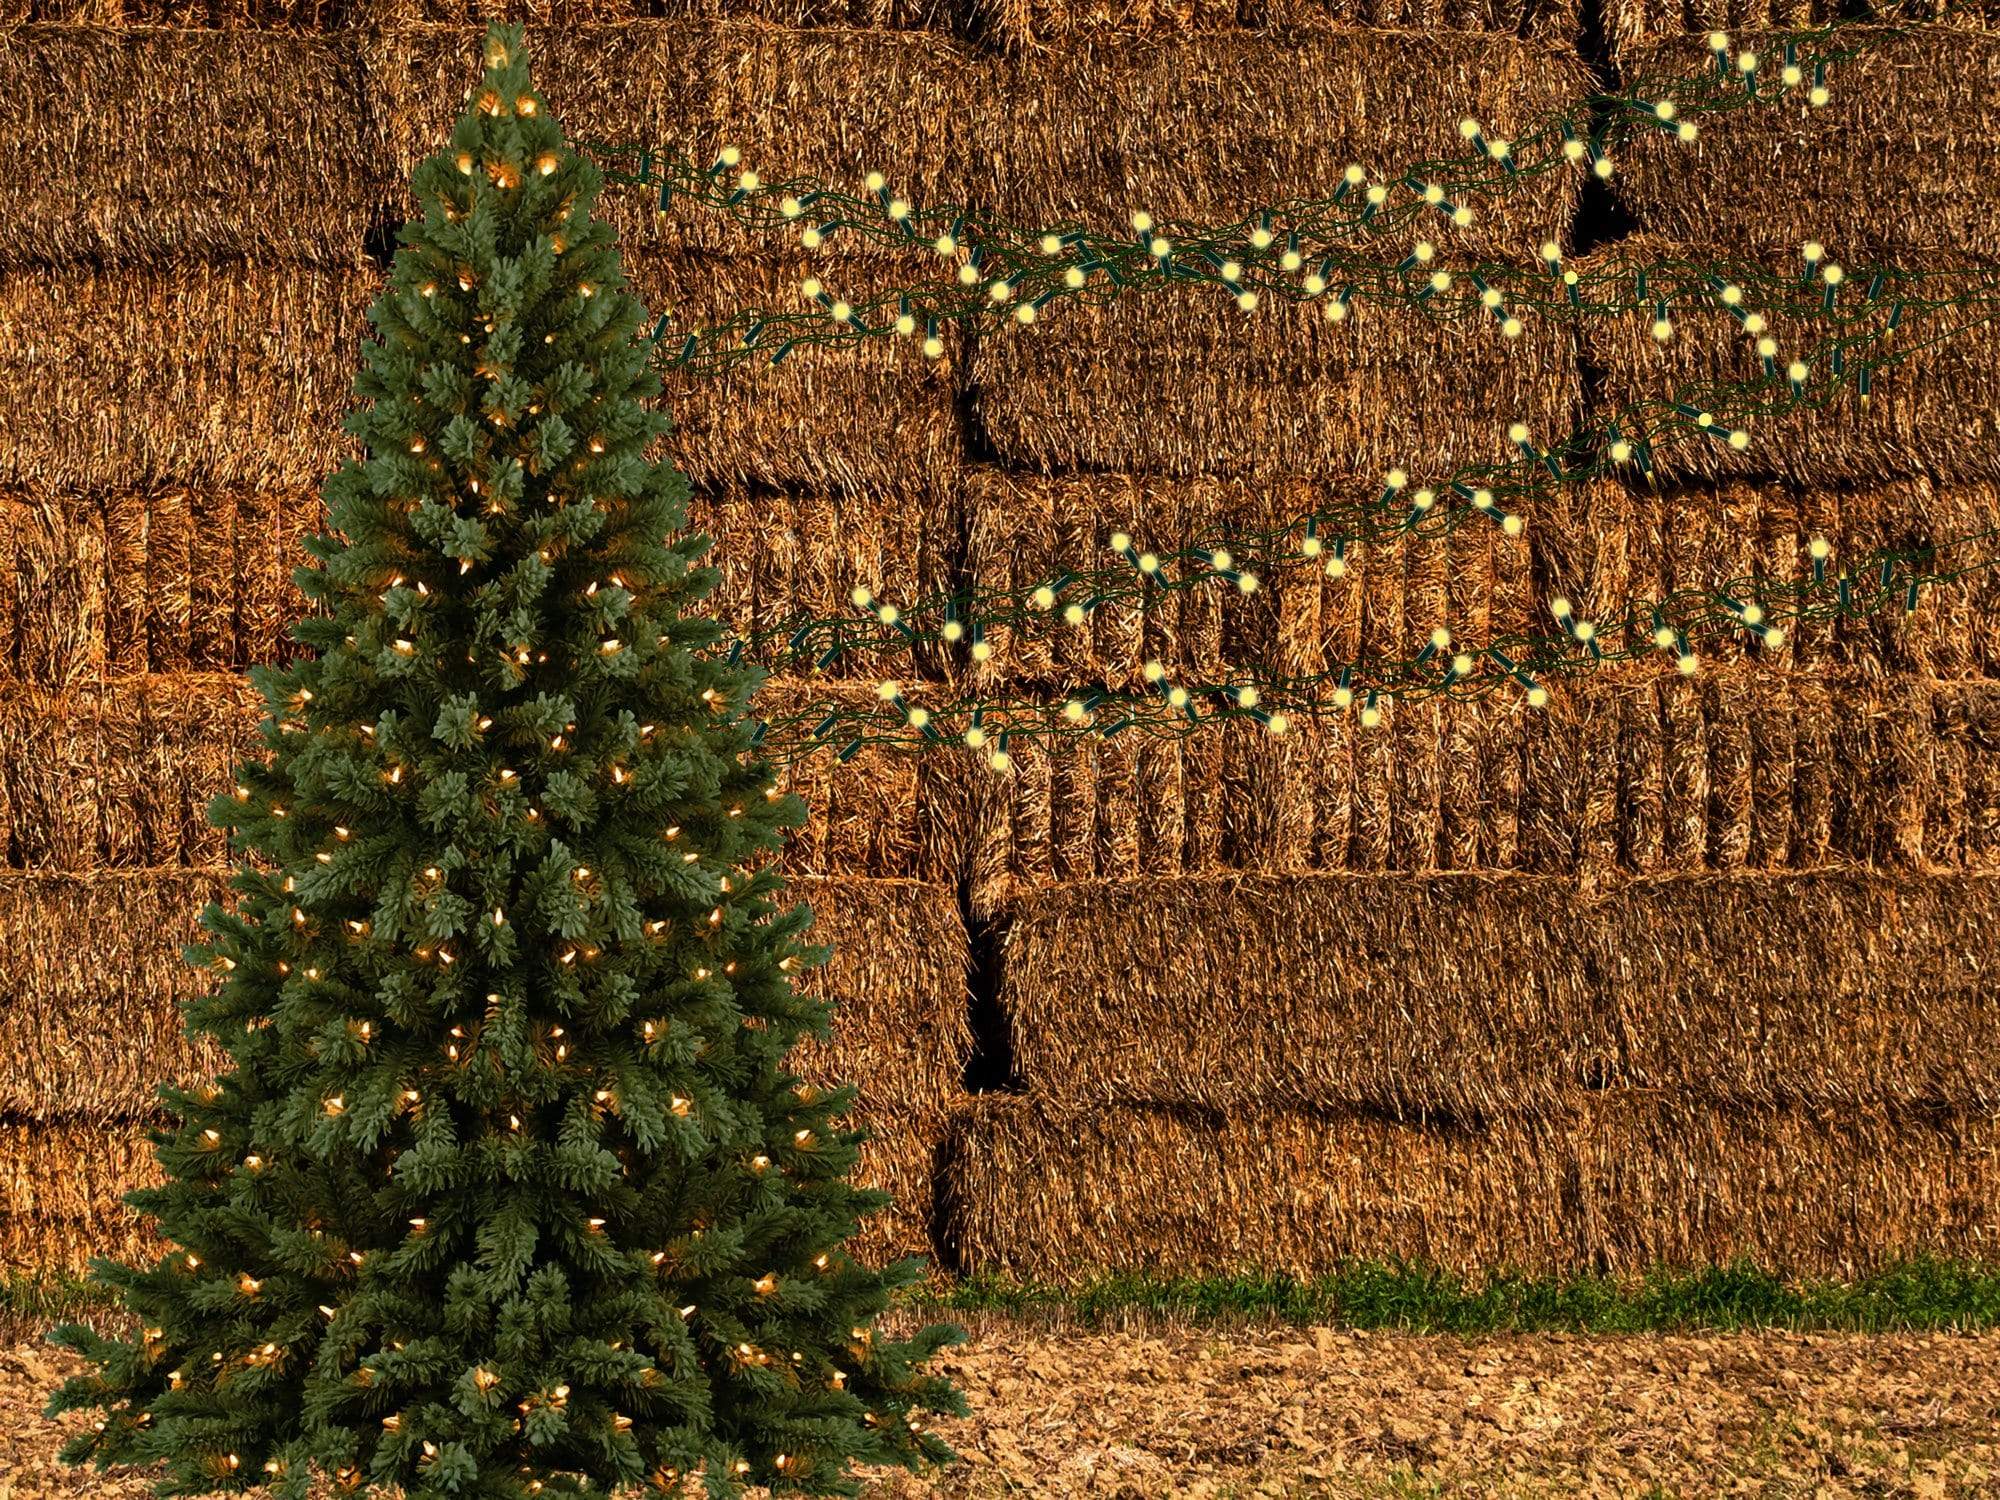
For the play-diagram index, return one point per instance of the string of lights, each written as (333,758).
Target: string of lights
(962,617)
(1298,250)
(1766,610)
(1005,272)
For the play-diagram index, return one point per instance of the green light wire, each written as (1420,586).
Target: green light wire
(1288,250)
(1009,273)
(1838,365)
(1168,709)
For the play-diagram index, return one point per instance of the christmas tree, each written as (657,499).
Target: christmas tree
(508,1190)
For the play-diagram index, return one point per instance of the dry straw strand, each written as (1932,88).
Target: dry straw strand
(1623,1184)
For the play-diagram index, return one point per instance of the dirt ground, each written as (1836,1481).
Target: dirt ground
(1323,1412)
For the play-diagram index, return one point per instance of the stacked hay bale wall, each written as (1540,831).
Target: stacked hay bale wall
(1672,970)
(188,346)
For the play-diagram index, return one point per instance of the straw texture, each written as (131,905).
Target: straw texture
(237,375)
(1024,530)
(172,579)
(1627,772)
(1636,22)
(832,103)
(943,15)
(231,374)
(61,1184)
(1209,128)
(155,143)
(1779,174)
(1597,545)
(1600,545)
(1624,1183)
(1935,414)
(118,775)
(1177,381)
(1026,25)
(874,421)
(1488,996)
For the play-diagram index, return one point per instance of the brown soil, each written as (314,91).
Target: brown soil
(1320,1412)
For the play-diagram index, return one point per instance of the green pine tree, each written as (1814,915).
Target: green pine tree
(508,1190)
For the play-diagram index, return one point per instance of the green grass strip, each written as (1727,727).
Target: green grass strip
(1915,1296)
(1918,1296)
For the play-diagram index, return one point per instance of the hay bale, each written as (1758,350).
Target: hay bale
(1634,23)
(223,375)
(1176,381)
(252,391)
(1025,25)
(786,554)
(1459,994)
(832,104)
(1626,1183)
(61,1182)
(884,813)
(873,420)
(52,587)
(1599,545)
(159,143)
(1934,413)
(118,774)
(60,1185)
(1207,129)
(172,579)
(236,15)
(1484,996)
(1023,530)
(1632,771)
(93,1002)
(941,15)
(1776,175)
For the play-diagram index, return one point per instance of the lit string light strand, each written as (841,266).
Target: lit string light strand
(1295,250)
(1765,610)
(1841,365)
